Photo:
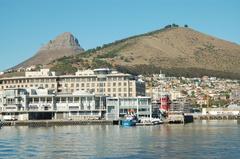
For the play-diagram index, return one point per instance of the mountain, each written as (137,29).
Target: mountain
(175,50)
(63,45)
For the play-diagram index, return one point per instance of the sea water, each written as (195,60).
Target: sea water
(201,139)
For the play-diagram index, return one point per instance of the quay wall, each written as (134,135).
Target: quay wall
(217,117)
(56,122)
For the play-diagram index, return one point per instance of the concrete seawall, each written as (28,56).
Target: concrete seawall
(217,117)
(56,122)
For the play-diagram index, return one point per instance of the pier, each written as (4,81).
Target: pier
(178,117)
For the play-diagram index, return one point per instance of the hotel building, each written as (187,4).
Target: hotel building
(101,81)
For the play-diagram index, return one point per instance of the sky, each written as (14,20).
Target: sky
(26,25)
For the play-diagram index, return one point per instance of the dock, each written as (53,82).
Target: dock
(178,118)
(37,123)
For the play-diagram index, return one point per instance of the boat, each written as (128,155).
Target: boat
(151,121)
(129,120)
(156,121)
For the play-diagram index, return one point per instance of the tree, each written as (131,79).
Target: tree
(174,25)
(186,26)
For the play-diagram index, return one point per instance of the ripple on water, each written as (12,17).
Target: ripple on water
(214,140)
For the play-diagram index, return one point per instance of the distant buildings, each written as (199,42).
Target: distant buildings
(106,93)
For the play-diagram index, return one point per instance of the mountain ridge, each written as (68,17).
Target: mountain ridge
(64,44)
(168,48)
(176,50)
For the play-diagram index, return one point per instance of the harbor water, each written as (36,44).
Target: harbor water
(201,139)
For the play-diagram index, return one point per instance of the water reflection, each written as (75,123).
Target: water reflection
(211,139)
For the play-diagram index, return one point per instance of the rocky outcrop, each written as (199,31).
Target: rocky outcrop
(63,45)
(63,41)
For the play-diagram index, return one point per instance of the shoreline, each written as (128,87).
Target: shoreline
(37,123)
(46,123)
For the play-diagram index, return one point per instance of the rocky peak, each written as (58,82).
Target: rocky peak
(63,41)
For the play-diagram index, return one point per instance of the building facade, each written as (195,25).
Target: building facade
(39,104)
(118,107)
(102,81)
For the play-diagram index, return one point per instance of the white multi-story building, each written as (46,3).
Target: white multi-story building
(34,104)
(102,81)
(118,107)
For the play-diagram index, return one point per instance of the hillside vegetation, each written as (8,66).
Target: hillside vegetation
(179,51)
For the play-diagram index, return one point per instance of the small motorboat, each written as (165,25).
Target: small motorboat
(130,120)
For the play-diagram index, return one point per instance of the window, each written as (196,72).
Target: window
(114,84)
(58,99)
(77,85)
(63,99)
(76,99)
(114,89)
(93,84)
(120,78)
(111,109)
(119,83)
(119,89)
(36,100)
(70,99)
(49,100)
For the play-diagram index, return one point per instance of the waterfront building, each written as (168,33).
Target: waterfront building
(180,105)
(101,81)
(118,107)
(39,104)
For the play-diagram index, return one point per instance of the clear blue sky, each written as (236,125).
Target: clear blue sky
(25,25)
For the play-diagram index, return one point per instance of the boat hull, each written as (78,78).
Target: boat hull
(128,123)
